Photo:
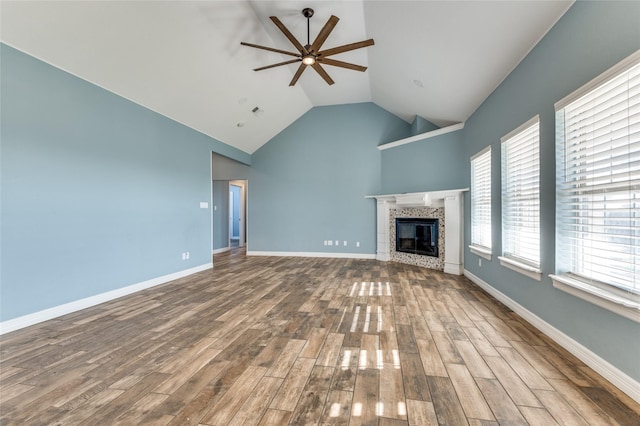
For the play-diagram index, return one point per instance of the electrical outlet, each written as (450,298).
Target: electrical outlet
(344,243)
(187,257)
(357,243)
(480,262)
(330,242)
(326,242)
(337,242)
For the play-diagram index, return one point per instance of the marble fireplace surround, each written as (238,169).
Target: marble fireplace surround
(431,262)
(452,203)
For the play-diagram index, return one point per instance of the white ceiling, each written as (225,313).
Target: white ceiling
(183,59)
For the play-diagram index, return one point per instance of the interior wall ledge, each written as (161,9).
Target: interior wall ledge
(422,136)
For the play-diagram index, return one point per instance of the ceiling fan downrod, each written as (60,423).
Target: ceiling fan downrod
(309,58)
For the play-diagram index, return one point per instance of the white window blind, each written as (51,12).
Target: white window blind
(598,200)
(521,194)
(481,200)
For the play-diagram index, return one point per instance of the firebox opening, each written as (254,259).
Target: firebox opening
(417,236)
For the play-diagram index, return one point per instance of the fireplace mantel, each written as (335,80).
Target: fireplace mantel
(451,200)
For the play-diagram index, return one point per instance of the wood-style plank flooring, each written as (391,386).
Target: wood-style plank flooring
(276,341)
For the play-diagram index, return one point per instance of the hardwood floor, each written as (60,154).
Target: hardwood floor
(276,341)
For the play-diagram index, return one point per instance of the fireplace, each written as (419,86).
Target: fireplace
(417,236)
(446,206)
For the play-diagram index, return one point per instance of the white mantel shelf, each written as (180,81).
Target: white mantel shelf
(451,200)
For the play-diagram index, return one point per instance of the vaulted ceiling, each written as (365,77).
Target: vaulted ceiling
(183,59)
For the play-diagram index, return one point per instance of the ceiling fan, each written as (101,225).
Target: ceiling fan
(310,54)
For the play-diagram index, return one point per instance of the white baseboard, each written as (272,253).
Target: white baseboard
(67,308)
(617,377)
(453,268)
(220,250)
(312,254)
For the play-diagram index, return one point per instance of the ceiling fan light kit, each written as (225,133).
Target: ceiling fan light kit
(308,59)
(310,54)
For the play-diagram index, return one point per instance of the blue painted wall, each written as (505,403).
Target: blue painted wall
(308,183)
(98,193)
(428,165)
(224,168)
(420,125)
(588,39)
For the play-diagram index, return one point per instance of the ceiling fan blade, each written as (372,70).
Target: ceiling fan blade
(278,64)
(257,46)
(324,33)
(335,63)
(346,48)
(316,66)
(288,34)
(297,75)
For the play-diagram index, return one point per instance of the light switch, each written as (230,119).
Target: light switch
(204,205)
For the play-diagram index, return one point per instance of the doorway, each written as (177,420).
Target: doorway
(237,213)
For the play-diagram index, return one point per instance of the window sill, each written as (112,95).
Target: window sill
(522,268)
(481,251)
(604,298)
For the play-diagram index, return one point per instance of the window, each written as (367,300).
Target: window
(481,203)
(521,199)
(598,199)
